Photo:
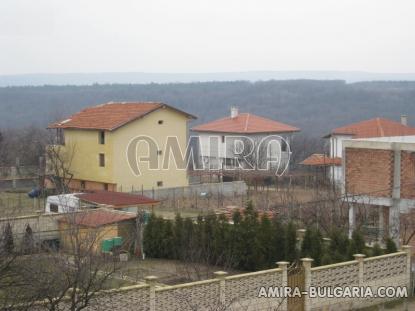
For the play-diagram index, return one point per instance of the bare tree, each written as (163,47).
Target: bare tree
(58,166)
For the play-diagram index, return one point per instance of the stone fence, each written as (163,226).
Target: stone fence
(44,226)
(225,189)
(242,291)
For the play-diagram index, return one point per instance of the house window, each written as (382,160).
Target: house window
(102,137)
(60,137)
(161,121)
(102,160)
(159,184)
(228,161)
(106,187)
(54,208)
(283,145)
(223,139)
(82,185)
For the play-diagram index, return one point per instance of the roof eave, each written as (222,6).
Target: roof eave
(247,132)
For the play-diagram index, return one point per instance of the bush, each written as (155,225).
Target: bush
(390,246)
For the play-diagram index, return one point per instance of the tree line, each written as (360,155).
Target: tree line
(249,242)
(315,106)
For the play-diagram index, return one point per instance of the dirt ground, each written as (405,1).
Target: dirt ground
(169,272)
(19,204)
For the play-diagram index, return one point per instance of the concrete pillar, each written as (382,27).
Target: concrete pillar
(360,261)
(381,224)
(283,265)
(352,219)
(151,281)
(307,281)
(394,212)
(13,172)
(221,275)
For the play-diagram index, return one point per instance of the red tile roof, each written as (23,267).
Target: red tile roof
(111,116)
(377,127)
(115,199)
(245,123)
(317,159)
(96,218)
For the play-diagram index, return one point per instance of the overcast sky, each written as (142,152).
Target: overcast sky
(54,36)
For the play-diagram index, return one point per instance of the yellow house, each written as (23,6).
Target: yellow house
(101,143)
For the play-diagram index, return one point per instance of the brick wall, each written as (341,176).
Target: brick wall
(407,175)
(369,171)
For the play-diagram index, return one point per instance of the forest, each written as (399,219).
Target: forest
(315,106)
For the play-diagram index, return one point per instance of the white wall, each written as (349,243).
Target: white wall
(336,145)
(214,147)
(392,139)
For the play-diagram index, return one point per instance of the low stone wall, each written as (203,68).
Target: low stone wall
(237,292)
(240,292)
(374,272)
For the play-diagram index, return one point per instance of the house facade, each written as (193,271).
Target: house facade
(373,128)
(380,180)
(95,144)
(224,142)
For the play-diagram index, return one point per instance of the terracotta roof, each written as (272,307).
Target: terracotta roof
(377,127)
(115,199)
(110,116)
(317,159)
(245,123)
(96,218)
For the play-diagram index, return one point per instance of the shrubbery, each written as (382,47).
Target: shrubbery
(250,243)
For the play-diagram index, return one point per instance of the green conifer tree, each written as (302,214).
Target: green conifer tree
(390,246)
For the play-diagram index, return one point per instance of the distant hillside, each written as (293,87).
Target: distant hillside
(314,106)
(145,78)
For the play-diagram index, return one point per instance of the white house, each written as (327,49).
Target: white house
(225,142)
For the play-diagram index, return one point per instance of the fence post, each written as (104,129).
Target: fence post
(360,261)
(408,251)
(151,281)
(307,282)
(283,265)
(222,286)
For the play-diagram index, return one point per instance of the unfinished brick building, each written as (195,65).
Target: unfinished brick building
(380,174)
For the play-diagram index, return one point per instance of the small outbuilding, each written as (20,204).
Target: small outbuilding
(127,202)
(92,229)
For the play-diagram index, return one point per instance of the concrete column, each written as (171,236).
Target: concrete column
(151,281)
(283,265)
(352,219)
(394,221)
(13,172)
(381,224)
(221,275)
(307,281)
(360,261)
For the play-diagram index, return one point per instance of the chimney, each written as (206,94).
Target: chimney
(404,120)
(234,112)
